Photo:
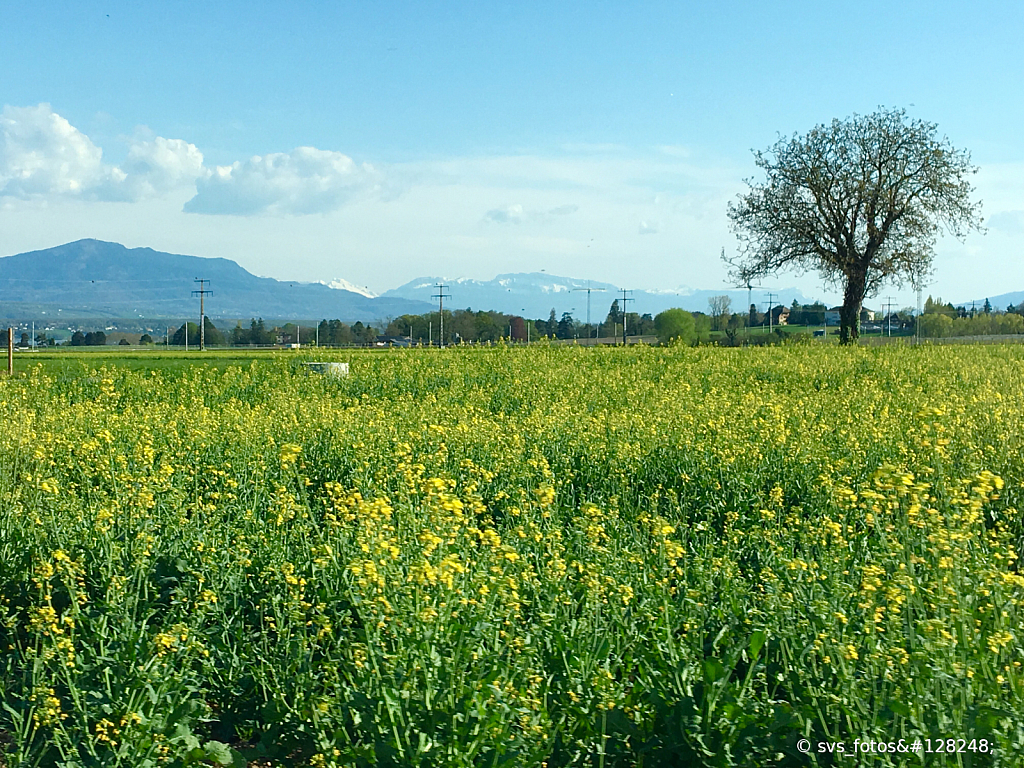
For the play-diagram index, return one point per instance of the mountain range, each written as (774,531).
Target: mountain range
(96,279)
(535,294)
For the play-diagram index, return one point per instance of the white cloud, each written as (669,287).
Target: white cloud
(303,181)
(516,214)
(647,228)
(43,156)
(161,165)
(510,214)
(563,210)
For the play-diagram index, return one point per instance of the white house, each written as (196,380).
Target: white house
(832,315)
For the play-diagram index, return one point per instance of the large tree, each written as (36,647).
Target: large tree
(719,306)
(860,201)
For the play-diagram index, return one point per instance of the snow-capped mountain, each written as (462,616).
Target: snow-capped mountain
(532,294)
(340,284)
(535,294)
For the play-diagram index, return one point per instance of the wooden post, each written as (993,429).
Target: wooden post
(10,351)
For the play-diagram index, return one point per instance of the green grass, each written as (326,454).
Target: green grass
(79,360)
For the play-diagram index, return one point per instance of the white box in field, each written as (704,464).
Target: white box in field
(331,370)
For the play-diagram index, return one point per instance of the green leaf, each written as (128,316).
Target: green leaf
(757,643)
(218,752)
(182,735)
(713,670)
(899,708)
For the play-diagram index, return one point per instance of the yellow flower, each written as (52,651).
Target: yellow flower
(289,453)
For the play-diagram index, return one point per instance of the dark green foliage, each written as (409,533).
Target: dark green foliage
(675,324)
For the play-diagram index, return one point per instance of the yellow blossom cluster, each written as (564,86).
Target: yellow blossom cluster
(522,556)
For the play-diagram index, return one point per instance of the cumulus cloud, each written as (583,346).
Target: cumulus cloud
(42,155)
(158,166)
(647,228)
(303,181)
(510,214)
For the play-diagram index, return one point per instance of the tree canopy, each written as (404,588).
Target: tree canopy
(214,338)
(860,201)
(675,324)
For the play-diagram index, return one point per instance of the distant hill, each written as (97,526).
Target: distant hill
(535,294)
(92,278)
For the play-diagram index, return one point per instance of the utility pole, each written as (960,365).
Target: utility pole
(10,351)
(917,320)
(440,296)
(771,296)
(588,289)
(624,322)
(201,293)
(888,316)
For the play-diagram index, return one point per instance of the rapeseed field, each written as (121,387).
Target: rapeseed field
(516,557)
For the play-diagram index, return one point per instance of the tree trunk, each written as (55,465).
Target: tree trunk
(849,314)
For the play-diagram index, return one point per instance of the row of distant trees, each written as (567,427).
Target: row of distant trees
(940,319)
(568,327)
(938,307)
(90,339)
(943,320)
(469,326)
(939,326)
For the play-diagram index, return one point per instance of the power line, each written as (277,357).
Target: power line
(201,293)
(441,296)
(588,289)
(624,313)
(888,316)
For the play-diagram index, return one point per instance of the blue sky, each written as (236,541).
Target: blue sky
(382,141)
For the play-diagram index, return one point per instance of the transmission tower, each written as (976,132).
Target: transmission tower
(201,293)
(588,289)
(441,296)
(624,313)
